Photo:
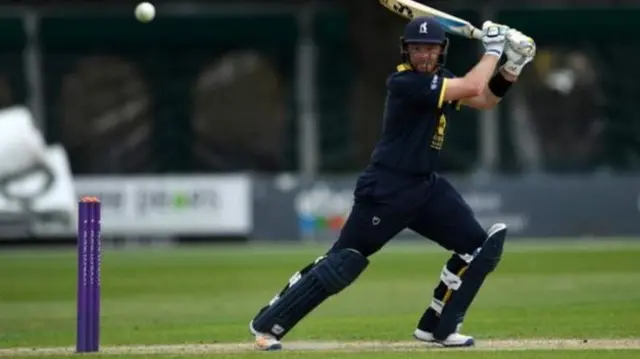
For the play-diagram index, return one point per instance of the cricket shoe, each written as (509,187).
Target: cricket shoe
(452,341)
(264,341)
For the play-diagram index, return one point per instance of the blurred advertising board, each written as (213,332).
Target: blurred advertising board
(535,207)
(172,205)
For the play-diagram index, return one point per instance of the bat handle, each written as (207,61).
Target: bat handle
(476,33)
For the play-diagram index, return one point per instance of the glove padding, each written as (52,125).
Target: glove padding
(494,38)
(520,50)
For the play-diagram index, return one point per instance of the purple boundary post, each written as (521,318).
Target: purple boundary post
(81,341)
(99,262)
(98,259)
(88,301)
(94,306)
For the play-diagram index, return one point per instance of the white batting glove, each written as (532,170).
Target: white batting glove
(520,50)
(494,38)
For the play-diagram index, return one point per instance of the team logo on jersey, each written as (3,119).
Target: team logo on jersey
(438,136)
(434,82)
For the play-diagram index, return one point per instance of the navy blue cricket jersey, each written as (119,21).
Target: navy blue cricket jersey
(415,121)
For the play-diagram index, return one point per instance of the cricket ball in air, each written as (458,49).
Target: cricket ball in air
(145,12)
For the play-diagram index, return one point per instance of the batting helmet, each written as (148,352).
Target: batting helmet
(424,30)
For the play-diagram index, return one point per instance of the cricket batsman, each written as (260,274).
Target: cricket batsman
(401,188)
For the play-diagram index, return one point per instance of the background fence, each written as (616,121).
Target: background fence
(293,90)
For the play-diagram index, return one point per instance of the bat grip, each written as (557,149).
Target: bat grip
(476,33)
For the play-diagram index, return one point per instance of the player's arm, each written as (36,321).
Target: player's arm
(474,82)
(520,50)
(488,98)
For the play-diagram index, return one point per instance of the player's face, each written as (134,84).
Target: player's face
(424,57)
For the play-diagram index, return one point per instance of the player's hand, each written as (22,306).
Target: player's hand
(521,43)
(494,38)
(520,50)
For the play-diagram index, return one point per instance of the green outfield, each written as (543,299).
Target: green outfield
(197,301)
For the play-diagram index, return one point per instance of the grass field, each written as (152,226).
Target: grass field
(198,301)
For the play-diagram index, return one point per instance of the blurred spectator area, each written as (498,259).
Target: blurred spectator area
(219,91)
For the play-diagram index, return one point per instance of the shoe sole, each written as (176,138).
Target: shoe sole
(270,348)
(469,343)
(273,347)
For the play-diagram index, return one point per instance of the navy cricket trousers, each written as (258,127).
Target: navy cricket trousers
(387,203)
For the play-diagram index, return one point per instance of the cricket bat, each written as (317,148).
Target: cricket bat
(453,25)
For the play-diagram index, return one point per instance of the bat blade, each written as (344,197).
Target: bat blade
(453,25)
